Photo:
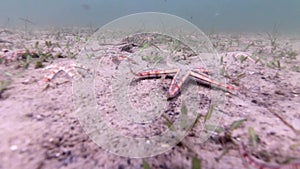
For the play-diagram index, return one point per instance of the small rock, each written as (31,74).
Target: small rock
(295,92)
(13,147)
(57,154)
(39,117)
(26,81)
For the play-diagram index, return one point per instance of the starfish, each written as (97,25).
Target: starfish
(181,75)
(68,68)
(9,56)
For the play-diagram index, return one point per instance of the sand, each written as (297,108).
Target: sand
(40,129)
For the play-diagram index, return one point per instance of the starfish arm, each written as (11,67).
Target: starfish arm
(177,82)
(206,79)
(52,74)
(69,70)
(155,73)
(201,70)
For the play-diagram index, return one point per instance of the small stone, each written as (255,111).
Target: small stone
(57,154)
(13,147)
(51,140)
(39,117)
(26,81)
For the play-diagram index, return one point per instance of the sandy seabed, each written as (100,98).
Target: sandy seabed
(39,128)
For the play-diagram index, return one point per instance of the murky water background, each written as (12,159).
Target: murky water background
(209,15)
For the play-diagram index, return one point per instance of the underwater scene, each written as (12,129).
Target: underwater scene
(161,84)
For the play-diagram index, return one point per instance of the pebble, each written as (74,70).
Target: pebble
(13,147)
(26,81)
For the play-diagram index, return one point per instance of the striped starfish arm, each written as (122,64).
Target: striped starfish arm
(178,80)
(201,70)
(155,73)
(69,70)
(117,59)
(10,56)
(209,81)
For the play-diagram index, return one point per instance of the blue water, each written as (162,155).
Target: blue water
(209,15)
